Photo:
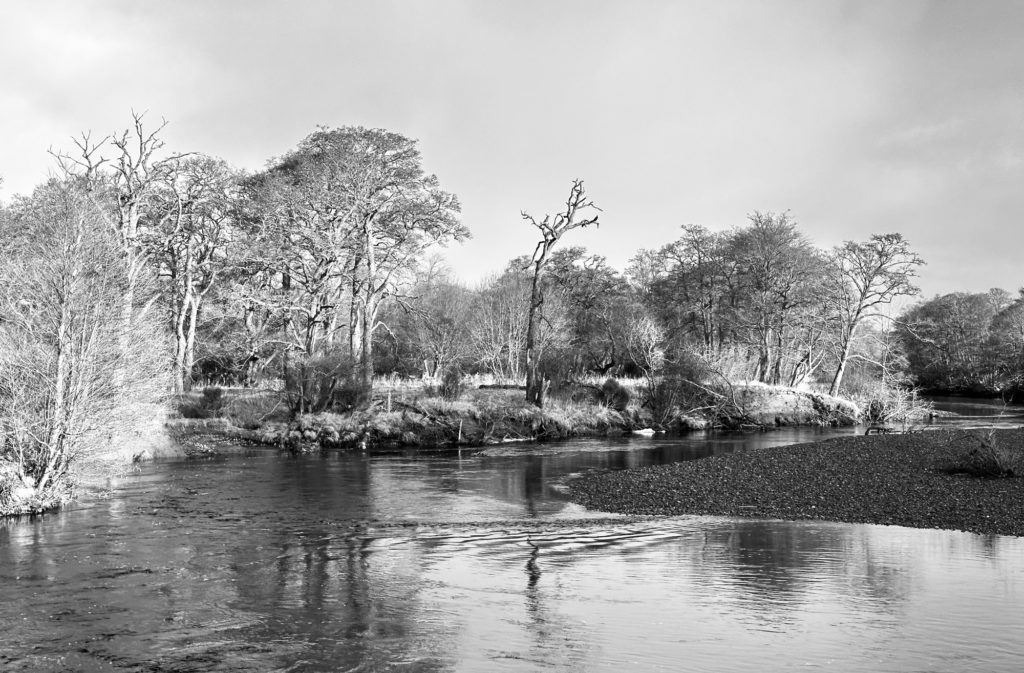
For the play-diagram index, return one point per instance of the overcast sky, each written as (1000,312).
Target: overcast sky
(858,117)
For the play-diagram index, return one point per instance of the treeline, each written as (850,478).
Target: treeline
(138,270)
(758,303)
(321,271)
(134,269)
(966,343)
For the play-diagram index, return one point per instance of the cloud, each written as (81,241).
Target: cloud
(860,117)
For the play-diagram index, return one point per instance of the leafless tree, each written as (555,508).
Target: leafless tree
(345,217)
(122,174)
(73,373)
(551,229)
(867,276)
(497,333)
(434,323)
(187,241)
(645,343)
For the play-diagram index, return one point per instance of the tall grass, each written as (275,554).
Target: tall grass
(990,459)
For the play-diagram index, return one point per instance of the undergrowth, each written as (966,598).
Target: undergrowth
(989,459)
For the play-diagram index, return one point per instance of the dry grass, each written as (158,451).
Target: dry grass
(990,459)
(411,412)
(251,409)
(416,418)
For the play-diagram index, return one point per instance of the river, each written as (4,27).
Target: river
(261,561)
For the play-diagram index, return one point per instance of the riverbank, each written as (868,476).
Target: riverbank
(486,415)
(113,455)
(902,480)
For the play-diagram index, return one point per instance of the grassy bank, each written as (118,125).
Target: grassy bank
(921,480)
(408,416)
(412,414)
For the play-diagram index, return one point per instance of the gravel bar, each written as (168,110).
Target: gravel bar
(896,480)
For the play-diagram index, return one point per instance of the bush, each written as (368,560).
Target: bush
(253,409)
(681,386)
(883,403)
(662,398)
(614,395)
(212,401)
(351,394)
(330,382)
(990,460)
(451,387)
(208,404)
(77,373)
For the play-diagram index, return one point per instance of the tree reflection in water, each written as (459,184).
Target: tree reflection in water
(266,562)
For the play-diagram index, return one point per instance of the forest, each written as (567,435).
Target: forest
(138,272)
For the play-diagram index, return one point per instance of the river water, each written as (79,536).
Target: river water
(261,561)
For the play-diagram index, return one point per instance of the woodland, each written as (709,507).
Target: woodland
(138,273)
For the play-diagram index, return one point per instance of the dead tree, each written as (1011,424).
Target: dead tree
(551,230)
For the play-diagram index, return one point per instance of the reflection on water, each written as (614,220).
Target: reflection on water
(976,413)
(477,562)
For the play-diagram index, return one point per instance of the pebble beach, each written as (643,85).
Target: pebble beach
(897,479)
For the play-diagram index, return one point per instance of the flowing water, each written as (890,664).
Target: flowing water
(261,561)
(979,413)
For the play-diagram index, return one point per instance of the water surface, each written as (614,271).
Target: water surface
(477,562)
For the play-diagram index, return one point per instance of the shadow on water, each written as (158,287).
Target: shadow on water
(477,561)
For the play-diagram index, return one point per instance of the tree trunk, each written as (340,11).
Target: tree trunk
(369,312)
(366,355)
(764,357)
(837,380)
(55,436)
(353,317)
(180,313)
(190,345)
(534,382)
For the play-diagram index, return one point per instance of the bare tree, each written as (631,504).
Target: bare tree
(187,242)
(348,214)
(645,343)
(73,373)
(123,187)
(551,230)
(497,335)
(777,287)
(868,275)
(436,326)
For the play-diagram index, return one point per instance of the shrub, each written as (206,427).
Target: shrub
(350,394)
(614,395)
(990,460)
(254,409)
(556,370)
(329,382)
(662,398)
(451,387)
(212,401)
(884,403)
(81,369)
(681,385)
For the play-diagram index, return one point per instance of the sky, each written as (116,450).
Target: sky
(857,117)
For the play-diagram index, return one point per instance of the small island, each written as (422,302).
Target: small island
(927,479)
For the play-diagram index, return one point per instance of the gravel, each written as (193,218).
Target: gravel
(882,479)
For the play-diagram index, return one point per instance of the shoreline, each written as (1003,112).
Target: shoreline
(880,479)
(415,420)
(490,416)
